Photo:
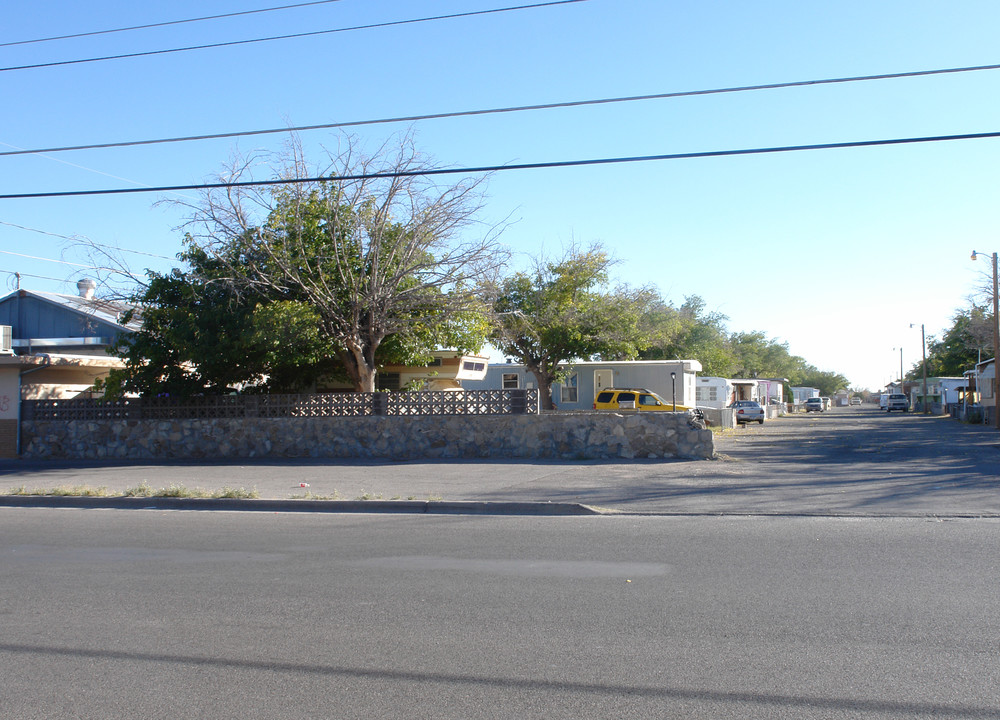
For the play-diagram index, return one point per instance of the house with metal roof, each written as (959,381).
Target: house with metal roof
(53,346)
(43,322)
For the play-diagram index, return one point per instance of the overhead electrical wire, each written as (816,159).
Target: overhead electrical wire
(86,240)
(37,277)
(509,109)
(514,166)
(313,33)
(165,23)
(51,260)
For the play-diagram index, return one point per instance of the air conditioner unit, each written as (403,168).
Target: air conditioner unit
(6,340)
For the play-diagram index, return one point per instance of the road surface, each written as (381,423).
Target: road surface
(145,614)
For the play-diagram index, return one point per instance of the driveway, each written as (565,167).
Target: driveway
(846,461)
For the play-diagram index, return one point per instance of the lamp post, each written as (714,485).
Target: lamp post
(673,390)
(996,338)
(923,354)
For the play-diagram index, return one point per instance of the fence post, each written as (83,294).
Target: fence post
(518,402)
(251,406)
(380,403)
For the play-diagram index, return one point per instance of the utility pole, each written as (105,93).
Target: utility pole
(900,369)
(996,346)
(996,340)
(923,349)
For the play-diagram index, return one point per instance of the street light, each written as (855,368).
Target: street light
(996,338)
(923,350)
(673,390)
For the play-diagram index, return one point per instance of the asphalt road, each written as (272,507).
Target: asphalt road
(847,461)
(145,614)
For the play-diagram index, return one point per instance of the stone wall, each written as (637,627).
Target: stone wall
(556,436)
(8,438)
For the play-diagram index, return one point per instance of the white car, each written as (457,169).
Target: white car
(748,411)
(897,401)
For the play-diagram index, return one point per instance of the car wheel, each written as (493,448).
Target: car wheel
(761,421)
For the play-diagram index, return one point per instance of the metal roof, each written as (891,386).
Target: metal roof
(108,311)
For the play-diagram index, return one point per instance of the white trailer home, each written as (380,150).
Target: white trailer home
(771,390)
(801,394)
(717,392)
(587,377)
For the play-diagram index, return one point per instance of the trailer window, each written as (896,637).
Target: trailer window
(567,393)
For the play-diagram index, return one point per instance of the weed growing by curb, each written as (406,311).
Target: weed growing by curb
(143,490)
(62,491)
(310,495)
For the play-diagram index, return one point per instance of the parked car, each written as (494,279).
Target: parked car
(897,401)
(637,399)
(815,404)
(748,411)
(855,400)
(827,402)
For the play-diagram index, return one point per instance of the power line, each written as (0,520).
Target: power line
(85,240)
(165,24)
(38,277)
(517,166)
(313,33)
(509,109)
(61,262)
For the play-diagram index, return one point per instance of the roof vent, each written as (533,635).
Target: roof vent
(86,287)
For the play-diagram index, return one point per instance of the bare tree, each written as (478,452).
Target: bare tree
(378,247)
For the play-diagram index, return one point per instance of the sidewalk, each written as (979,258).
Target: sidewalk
(847,463)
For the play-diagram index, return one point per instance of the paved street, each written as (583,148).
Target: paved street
(855,461)
(150,614)
(840,565)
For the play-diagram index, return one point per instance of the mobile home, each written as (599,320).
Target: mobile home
(586,378)
(717,392)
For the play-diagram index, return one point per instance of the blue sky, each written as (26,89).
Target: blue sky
(835,252)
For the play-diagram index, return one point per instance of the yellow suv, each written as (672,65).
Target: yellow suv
(634,399)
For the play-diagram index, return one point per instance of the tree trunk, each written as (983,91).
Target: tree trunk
(366,379)
(359,371)
(544,381)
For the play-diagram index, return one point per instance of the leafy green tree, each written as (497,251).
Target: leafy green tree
(377,255)
(563,310)
(200,337)
(691,332)
(757,356)
(965,343)
(828,383)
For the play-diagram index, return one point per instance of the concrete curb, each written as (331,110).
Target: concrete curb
(428,507)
